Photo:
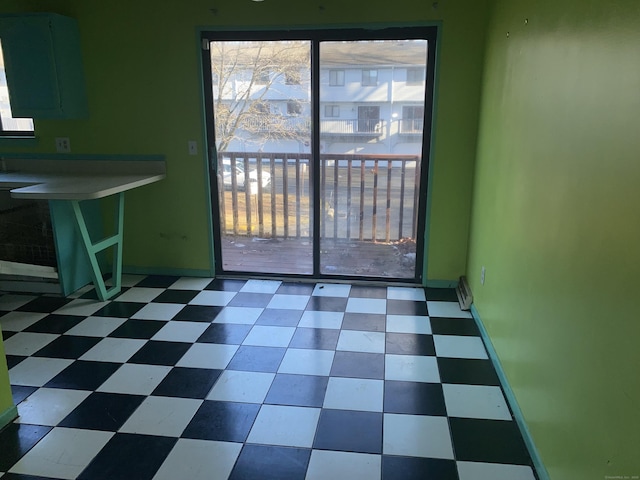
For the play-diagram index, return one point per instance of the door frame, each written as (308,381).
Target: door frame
(315,36)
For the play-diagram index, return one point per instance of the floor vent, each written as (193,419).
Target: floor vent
(464,294)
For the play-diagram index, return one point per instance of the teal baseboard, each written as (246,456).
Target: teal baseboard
(178,272)
(8,416)
(442,283)
(511,399)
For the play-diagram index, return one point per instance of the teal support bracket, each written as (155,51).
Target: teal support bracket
(92,249)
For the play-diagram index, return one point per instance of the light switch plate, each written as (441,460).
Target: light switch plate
(193,147)
(63,145)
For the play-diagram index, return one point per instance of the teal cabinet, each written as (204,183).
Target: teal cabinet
(43,64)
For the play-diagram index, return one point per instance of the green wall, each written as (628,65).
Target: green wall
(555,222)
(6,400)
(143,80)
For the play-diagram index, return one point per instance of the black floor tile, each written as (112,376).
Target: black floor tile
(315,338)
(7,335)
(271,463)
(44,304)
(55,324)
(176,296)
(187,383)
(358,365)
(349,431)
(490,441)
(467,371)
(198,313)
(119,309)
(441,294)
(222,421)
(280,317)
(406,307)
(257,359)
(138,456)
(362,291)
(410,344)
(13,360)
(160,353)
(157,281)
(16,439)
(414,398)
(414,468)
(83,375)
(19,393)
(327,304)
(67,346)
(454,326)
(140,329)
(103,411)
(250,299)
(298,390)
(292,288)
(229,333)
(364,321)
(223,285)
(19,476)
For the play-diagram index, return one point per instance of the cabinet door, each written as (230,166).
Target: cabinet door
(43,66)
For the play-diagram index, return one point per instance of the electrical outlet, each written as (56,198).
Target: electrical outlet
(482,273)
(63,145)
(193,147)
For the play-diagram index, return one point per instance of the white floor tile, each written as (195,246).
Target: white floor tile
(242,315)
(199,460)
(208,355)
(416,436)
(267,336)
(163,416)
(406,293)
(475,401)
(408,324)
(359,341)
(118,350)
(261,286)
(411,368)
(289,302)
(128,280)
(367,305)
(181,331)
(455,346)
(18,321)
(135,379)
(139,294)
(27,343)
(447,309)
(343,465)
(10,302)
(245,387)
(331,290)
(212,298)
(190,283)
(331,320)
(35,372)
(354,394)
(158,311)
(286,426)
(48,406)
(81,306)
(494,471)
(307,362)
(62,453)
(96,326)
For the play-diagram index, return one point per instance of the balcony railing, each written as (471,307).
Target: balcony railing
(363,197)
(362,126)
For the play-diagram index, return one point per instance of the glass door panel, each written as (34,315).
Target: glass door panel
(372,105)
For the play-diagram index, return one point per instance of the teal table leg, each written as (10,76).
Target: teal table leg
(91,249)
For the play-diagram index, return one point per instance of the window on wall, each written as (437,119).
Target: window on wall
(336,77)
(10,126)
(332,111)
(294,108)
(369,77)
(415,76)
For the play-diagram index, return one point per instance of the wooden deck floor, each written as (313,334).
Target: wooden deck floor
(338,257)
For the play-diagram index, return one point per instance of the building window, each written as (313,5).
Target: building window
(336,77)
(10,126)
(262,77)
(412,119)
(294,108)
(292,78)
(368,119)
(415,76)
(369,77)
(332,111)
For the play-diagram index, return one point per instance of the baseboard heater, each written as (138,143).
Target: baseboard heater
(465,299)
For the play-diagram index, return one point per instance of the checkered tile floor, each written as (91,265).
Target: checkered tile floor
(189,378)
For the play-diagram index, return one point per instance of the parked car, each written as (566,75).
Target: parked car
(241,175)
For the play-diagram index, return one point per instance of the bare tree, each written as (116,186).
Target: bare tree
(250,79)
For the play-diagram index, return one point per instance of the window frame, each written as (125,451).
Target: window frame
(369,82)
(333,108)
(418,75)
(8,133)
(339,81)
